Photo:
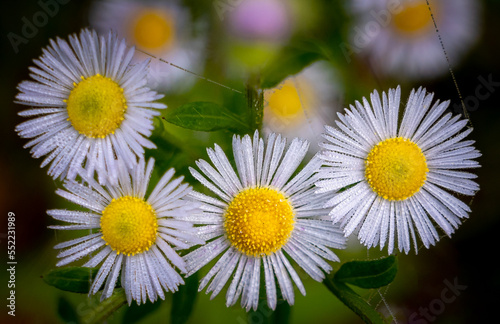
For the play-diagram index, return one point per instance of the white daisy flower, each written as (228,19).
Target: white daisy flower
(262,217)
(300,105)
(93,105)
(399,38)
(129,233)
(161,28)
(398,172)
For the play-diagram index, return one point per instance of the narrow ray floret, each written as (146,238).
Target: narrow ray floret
(91,106)
(401,177)
(263,216)
(130,234)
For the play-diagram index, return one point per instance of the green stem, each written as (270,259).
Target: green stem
(255,100)
(352,300)
(106,308)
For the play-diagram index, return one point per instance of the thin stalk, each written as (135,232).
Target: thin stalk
(106,308)
(255,102)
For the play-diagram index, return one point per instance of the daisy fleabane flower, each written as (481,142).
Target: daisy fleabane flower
(400,175)
(130,234)
(399,37)
(300,105)
(164,29)
(263,216)
(93,106)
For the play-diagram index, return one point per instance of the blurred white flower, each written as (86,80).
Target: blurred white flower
(162,28)
(302,104)
(399,38)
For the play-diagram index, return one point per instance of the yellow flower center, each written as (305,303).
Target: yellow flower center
(284,101)
(396,168)
(96,106)
(413,18)
(259,221)
(154,29)
(129,225)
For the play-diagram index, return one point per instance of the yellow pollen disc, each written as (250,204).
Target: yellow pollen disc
(284,101)
(259,221)
(129,225)
(396,168)
(413,18)
(154,29)
(96,106)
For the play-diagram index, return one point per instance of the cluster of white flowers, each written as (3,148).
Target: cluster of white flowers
(386,178)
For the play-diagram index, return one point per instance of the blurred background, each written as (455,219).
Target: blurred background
(337,52)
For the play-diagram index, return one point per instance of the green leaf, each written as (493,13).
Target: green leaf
(135,313)
(291,60)
(368,274)
(73,279)
(183,300)
(352,300)
(204,116)
(66,311)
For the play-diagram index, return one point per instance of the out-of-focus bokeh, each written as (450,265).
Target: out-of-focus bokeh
(364,45)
